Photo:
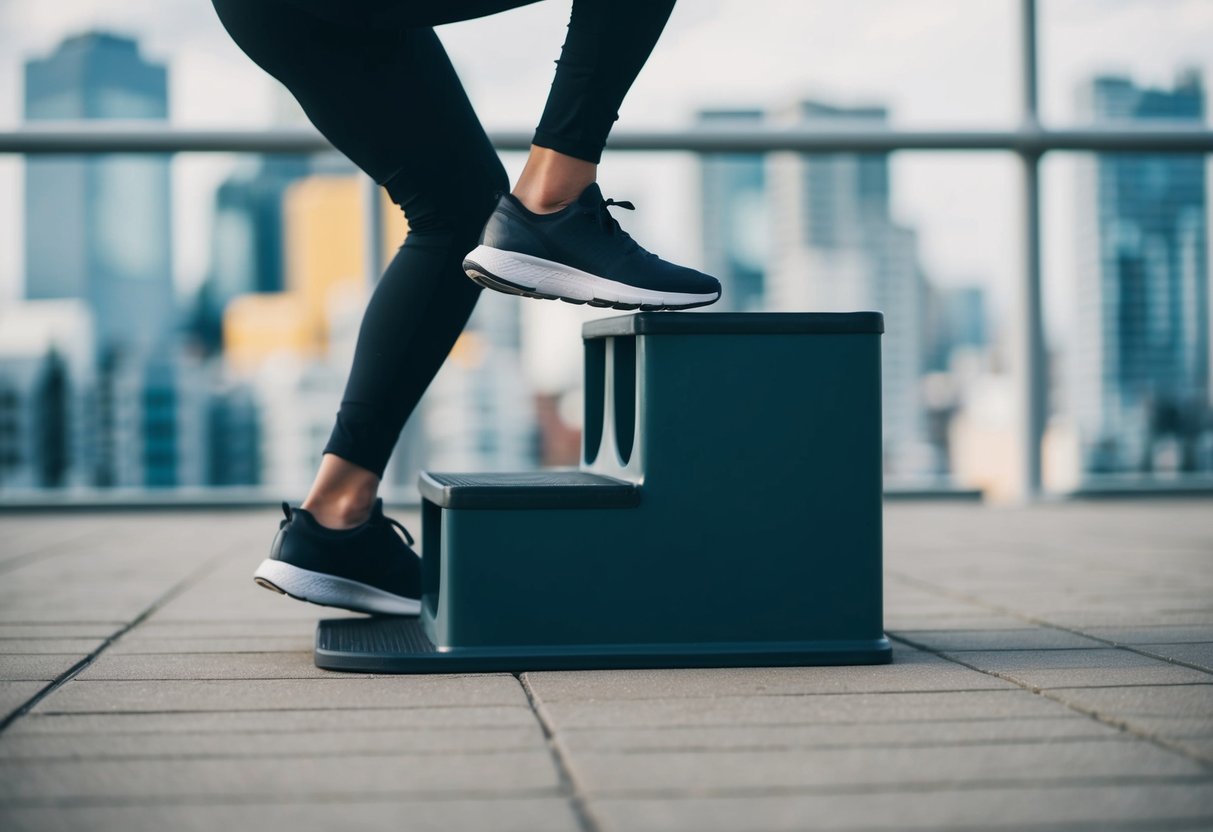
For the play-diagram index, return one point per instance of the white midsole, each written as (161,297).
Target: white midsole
(548,277)
(333,591)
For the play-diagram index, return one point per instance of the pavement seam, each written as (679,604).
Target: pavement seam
(1121,724)
(76,756)
(68,675)
(333,709)
(568,782)
(573,729)
(190,799)
(285,756)
(734,792)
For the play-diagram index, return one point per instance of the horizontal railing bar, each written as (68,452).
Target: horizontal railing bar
(140,137)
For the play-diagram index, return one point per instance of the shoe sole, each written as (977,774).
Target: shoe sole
(331,591)
(523,274)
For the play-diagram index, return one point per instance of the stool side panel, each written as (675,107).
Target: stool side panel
(638,580)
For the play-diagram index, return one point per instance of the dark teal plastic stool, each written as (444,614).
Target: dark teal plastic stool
(727,512)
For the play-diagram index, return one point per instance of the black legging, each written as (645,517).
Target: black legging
(372,76)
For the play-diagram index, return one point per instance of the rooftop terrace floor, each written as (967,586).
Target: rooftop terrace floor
(1053,669)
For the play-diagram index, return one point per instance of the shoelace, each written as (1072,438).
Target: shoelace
(408,537)
(610,225)
(286,510)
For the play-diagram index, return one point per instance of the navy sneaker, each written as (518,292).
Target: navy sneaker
(368,568)
(580,254)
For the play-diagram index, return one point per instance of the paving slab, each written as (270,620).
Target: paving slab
(1172,726)
(1082,668)
(1152,635)
(341,692)
(956,623)
(237,626)
(1032,763)
(224,598)
(15,694)
(300,643)
(1201,747)
(285,719)
(271,744)
(1130,619)
(529,814)
(1133,701)
(114,666)
(37,632)
(912,670)
(1038,638)
(22,545)
(342,776)
(36,668)
(48,646)
(986,733)
(1096,807)
(799,710)
(1195,653)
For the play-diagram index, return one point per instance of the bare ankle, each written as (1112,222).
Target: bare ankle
(343,494)
(551,180)
(338,511)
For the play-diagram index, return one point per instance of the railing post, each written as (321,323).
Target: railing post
(1032,370)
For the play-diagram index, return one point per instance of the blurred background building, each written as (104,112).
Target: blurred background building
(736,221)
(98,229)
(1141,360)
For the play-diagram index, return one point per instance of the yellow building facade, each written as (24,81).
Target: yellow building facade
(323,219)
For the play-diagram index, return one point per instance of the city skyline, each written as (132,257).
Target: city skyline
(838,244)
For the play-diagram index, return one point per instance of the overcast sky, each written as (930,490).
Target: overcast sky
(932,62)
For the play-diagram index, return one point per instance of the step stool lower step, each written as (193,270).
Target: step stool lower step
(400,645)
(556,489)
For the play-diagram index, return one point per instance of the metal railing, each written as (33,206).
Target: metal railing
(1029,141)
(113,136)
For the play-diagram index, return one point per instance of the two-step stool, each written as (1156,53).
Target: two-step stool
(727,512)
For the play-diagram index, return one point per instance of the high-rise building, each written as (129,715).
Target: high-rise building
(1141,358)
(955,320)
(233,437)
(480,411)
(46,381)
(736,233)
(293,347)
(246,240)
(837,248)
(98,227)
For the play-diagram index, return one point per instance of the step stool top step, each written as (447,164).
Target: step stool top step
(735,323)
(531,489)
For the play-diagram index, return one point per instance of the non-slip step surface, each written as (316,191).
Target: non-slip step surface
(378,635)
(525,490)
(736,323)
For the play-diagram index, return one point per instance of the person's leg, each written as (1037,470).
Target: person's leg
(415,14)
(389,99)
(608,42)
(553,236)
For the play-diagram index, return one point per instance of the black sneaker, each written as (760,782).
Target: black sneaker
(580,254)
(366,569)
